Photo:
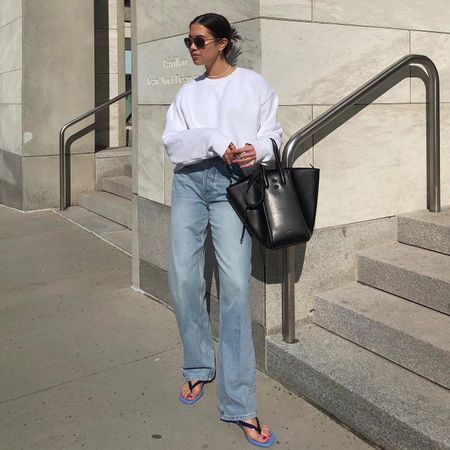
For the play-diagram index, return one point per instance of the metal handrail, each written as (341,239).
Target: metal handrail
(62,153)
(292,151)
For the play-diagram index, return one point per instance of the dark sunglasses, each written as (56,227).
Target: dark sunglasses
(200,42)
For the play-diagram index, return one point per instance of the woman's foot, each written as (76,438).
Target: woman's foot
(262,437)
(186,392)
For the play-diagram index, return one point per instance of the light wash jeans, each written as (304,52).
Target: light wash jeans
(199,197)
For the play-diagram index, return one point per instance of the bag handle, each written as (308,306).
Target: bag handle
(276,153)
(256,179)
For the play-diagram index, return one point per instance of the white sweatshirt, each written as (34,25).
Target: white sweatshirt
(209,113)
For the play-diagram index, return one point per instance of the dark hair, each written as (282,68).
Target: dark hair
(219,27)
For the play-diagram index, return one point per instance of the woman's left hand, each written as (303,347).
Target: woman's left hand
(245,156)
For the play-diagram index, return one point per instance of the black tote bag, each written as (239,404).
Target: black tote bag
(277,206)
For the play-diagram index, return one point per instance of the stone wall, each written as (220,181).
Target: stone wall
(11,103)
(313,53)
(376,161)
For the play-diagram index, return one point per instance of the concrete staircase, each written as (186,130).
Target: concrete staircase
(106,212)
(377,356)
(112,200)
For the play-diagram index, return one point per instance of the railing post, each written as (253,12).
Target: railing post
(288,295)
(433,162)
(433,141)
(62,149)
(62,171)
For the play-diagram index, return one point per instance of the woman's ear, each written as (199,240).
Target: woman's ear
(224,43)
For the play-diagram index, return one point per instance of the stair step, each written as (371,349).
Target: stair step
(426,229)
(408,334)
(107,205)
(410,272)
(122,239)
(111,162)
(120,186)
(91,221)
(386,403)
(114,152)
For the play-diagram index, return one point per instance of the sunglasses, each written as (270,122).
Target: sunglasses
(200,42)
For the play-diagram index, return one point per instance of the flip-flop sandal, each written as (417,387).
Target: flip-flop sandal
(191,387)
(267,443)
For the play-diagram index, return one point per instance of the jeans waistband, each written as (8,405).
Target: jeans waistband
(218,163)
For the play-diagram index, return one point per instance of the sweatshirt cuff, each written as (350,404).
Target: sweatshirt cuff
(218,144)
(264,150)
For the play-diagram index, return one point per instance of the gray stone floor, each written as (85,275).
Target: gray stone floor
(87,362)
(110,231)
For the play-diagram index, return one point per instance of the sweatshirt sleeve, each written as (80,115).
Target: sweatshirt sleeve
(269,127)
(186,146)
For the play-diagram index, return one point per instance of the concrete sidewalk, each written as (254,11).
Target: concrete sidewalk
(88,362)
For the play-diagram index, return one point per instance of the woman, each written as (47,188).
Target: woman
(218,126)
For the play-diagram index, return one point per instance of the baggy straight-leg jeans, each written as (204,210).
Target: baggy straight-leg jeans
(199,198)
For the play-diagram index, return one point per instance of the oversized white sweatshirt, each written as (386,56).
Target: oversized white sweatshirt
(209,113)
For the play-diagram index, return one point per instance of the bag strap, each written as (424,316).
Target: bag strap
(255,178)
(276,153)
(260,178)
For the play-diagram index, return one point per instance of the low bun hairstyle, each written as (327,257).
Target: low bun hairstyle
(219,27)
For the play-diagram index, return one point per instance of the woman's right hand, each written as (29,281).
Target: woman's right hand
(228,156)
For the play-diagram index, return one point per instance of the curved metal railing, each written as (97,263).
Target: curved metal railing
(292,151)
(62,153)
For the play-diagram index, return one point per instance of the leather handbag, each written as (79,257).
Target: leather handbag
(277,206)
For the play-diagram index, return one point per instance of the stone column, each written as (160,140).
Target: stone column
(135,157)
(11,190)
(47,74)
(58,85)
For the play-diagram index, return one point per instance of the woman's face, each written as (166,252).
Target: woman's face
(210,52)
